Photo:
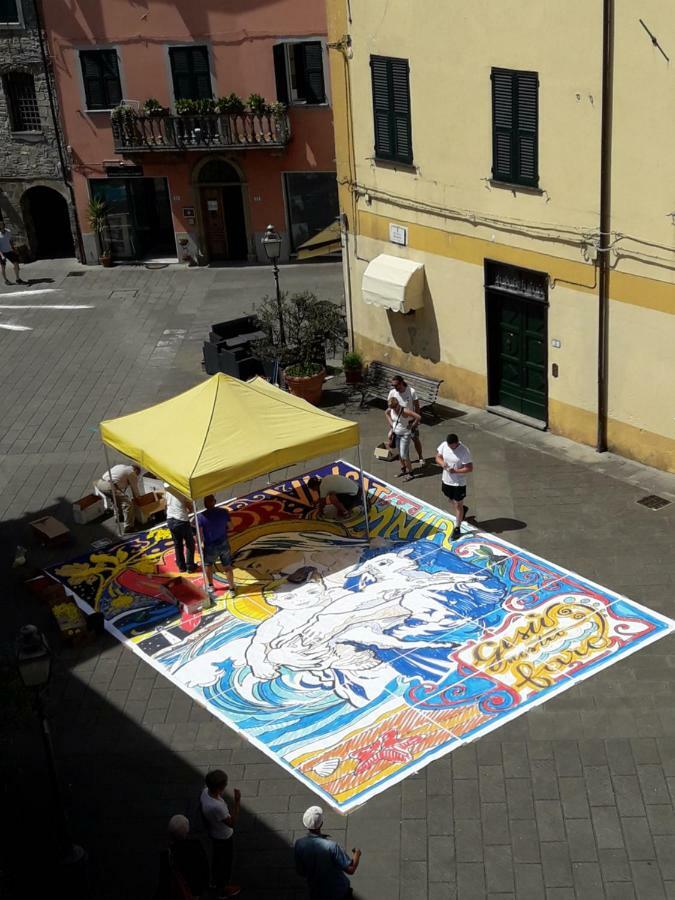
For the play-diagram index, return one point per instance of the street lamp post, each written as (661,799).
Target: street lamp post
(34,661)
(272,244)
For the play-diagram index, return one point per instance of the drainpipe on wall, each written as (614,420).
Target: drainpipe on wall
(46,65)
(605,218)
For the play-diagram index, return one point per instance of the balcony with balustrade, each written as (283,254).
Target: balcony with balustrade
(141,133)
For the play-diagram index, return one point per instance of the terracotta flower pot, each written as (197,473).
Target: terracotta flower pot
(105,260)
(306,386)
(354,376)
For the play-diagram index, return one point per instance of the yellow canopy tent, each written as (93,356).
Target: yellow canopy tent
(224,431)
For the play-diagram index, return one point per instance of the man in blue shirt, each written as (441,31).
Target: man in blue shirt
(322,862)
(214,524)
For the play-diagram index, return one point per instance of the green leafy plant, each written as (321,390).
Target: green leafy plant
(256,104)
(311,327)
(231,105)
(276,109)
(352,360)
(187,107)
(97,214)
(124,115)
(153,107)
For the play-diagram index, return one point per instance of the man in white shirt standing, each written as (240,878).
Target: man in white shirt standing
(8,254)
(407,397)
(455,460)
(220,824)
(178,523)
(124,480)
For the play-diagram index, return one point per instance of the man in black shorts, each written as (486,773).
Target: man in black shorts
(455,460)
(8,254)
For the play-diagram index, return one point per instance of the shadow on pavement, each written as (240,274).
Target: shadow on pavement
(498,525)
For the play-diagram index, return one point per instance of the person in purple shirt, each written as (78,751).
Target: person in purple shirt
(322,862)
(214,525)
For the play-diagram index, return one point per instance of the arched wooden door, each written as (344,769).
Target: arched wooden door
(222,208)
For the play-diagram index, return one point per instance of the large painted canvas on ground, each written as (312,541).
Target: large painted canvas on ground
(355,664)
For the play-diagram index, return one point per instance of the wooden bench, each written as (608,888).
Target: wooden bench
(377,383)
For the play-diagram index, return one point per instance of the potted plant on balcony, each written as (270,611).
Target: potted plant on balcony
(186,107)
(256,104)
(232,105)
(310,325)
(352,363)
(97,213)
(153,107)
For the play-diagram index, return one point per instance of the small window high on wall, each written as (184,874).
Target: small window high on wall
(9,12)
(298,68)
(24,113)
(101,76)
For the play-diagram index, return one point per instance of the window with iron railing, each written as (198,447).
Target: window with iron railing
(24,112)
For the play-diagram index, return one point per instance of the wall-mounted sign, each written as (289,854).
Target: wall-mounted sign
(124,171)
(212,205)
(398,234)
(189,212)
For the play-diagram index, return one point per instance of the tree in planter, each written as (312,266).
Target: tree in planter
(352,363)
(97,213)
(311,326)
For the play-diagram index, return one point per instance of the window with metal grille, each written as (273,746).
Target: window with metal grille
(24,113)
(391,108)
(298,68)
(191,73)
(101,77)
(9,12)
(515,124)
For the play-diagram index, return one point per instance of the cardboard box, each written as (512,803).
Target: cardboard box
(88,508)
(386,453)
(50,532)
(149,504)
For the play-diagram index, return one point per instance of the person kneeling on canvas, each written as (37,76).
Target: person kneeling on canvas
(337,491)
(214,525)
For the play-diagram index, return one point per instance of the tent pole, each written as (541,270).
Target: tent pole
(364,498)
(117,512)
(201,551)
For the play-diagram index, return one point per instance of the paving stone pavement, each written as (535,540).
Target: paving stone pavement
(572,800)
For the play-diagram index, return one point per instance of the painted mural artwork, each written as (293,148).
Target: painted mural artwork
(352,664)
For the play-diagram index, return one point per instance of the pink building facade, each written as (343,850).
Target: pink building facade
(194,171)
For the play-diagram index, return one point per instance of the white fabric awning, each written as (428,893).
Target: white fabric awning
(394,283)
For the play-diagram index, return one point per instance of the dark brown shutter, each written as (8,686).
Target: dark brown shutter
(111,78)
(527,85)
(311,56)
(201,73)
(391,108)
(101,77)
(384,140)
(401,109)
(280,72)
(180,71)
(191,73)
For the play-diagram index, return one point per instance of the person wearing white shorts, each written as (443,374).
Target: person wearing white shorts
(401,422)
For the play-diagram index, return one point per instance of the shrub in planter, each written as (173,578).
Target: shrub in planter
(97,213)
(352,363)
(310,326)
(231,105)
(187,107)
(153,107)
(256,103)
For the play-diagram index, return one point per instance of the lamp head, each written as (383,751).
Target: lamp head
(272,243)
(33,657)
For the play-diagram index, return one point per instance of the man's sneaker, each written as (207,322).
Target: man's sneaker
(21,281)
(466,510)
(456,533)
(401,473)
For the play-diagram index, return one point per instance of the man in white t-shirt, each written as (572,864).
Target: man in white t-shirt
(455,460)
(178,523)
(336,490)
(407,397)
(220,824)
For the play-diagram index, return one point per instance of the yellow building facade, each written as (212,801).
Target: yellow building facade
(470,141)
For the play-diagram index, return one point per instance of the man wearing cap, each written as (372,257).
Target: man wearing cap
(322,862)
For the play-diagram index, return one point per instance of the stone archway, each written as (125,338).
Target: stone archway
(45,213)
(222,210)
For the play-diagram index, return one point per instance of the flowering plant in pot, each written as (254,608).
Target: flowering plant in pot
(97,213)
(352,363)
(231,105)
(153,107)
(256,104)
(311,326)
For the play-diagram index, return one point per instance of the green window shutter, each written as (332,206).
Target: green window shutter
(191,73)
(310,55)
(382,111)
(527,89)
(515,123)
(101,77)
(280,76)
(400,92)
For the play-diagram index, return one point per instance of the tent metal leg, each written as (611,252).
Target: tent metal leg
(201,551)
(364,496)
(117,512)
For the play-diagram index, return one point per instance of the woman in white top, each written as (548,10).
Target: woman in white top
(401,422)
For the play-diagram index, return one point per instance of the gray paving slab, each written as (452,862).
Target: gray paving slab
(574,799)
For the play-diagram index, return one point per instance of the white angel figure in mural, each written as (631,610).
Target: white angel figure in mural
(339,628)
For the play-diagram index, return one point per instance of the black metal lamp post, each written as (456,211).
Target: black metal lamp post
(272,244)
(34,661)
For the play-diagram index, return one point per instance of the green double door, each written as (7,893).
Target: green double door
(517,347)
